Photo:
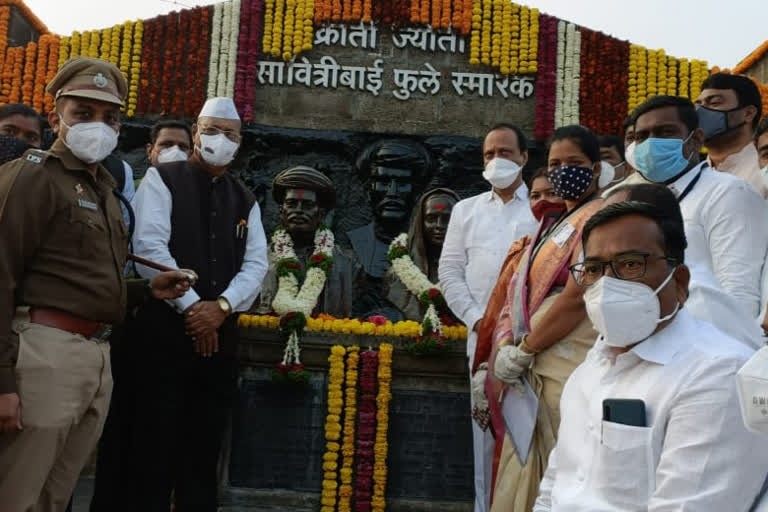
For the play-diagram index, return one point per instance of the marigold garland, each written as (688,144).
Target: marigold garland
(699,72)
(333,428)
(40,69)
(751,59)
(75,44)
(16,74)
(485,45)
(348,431)
(327,323)
(5,16)
(124,54)
(27,87)
(52,68)
(381,446)
(64,48)
(475,34)
(114,46)
(136,66)
(277,28)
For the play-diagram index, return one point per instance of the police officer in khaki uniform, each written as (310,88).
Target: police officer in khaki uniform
(63,247)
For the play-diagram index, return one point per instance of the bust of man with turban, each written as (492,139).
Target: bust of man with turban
(305,195)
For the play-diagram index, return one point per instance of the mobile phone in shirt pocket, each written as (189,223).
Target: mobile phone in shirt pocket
(624,469)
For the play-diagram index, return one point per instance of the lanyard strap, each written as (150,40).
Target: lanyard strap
(690,186)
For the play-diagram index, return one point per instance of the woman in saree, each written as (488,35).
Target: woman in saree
(535,325)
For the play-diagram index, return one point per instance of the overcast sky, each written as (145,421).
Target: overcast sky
(722,32)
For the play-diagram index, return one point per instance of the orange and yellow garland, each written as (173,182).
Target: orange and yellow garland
(327,323)
(5,16)
(348,432)
(333,428)
(503,35)
(133,87)
(381,446)
(27,87)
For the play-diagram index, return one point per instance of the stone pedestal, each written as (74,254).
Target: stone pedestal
(274,457)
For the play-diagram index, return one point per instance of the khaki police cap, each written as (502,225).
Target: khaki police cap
(86,77)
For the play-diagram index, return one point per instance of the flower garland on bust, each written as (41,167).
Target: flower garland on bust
(431,338)
(333,428)
(294,304)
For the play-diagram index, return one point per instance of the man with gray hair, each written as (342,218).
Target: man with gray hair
(191,213)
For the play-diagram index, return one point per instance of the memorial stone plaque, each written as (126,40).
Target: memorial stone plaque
(430,446)
(277,435)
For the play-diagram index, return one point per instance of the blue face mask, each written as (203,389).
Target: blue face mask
(660,160)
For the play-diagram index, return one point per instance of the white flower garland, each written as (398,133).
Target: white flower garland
(559,92)
(213,62)
(234,36)
(226,30)
(416,283)
(568,74)
(289,297)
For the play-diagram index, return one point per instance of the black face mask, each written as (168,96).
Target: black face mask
(11,148)
(715,122)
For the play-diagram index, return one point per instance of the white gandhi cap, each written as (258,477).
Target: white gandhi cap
(223,108)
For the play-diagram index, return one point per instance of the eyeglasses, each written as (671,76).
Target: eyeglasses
(212,130)
(628,266)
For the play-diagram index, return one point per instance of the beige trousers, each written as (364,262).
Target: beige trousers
(64,383)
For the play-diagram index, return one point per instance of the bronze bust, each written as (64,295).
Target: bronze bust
(305,195)
(425,242)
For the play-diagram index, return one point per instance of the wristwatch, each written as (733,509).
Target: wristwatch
(224,305)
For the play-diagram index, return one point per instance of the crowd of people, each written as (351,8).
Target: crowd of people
(611,297)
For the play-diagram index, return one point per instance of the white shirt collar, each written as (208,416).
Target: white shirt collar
(520,193)
(658,348)
(681,183)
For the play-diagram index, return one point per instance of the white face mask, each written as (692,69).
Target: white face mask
(501,173)
(217,150)
(752,382)
(172,154)
(607,174)
(624,312)
(90,142)
(629,155)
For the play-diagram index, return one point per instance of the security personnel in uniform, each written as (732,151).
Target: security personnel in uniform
(63,247)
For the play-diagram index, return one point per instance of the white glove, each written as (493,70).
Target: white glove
(478,387)
(511,363)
